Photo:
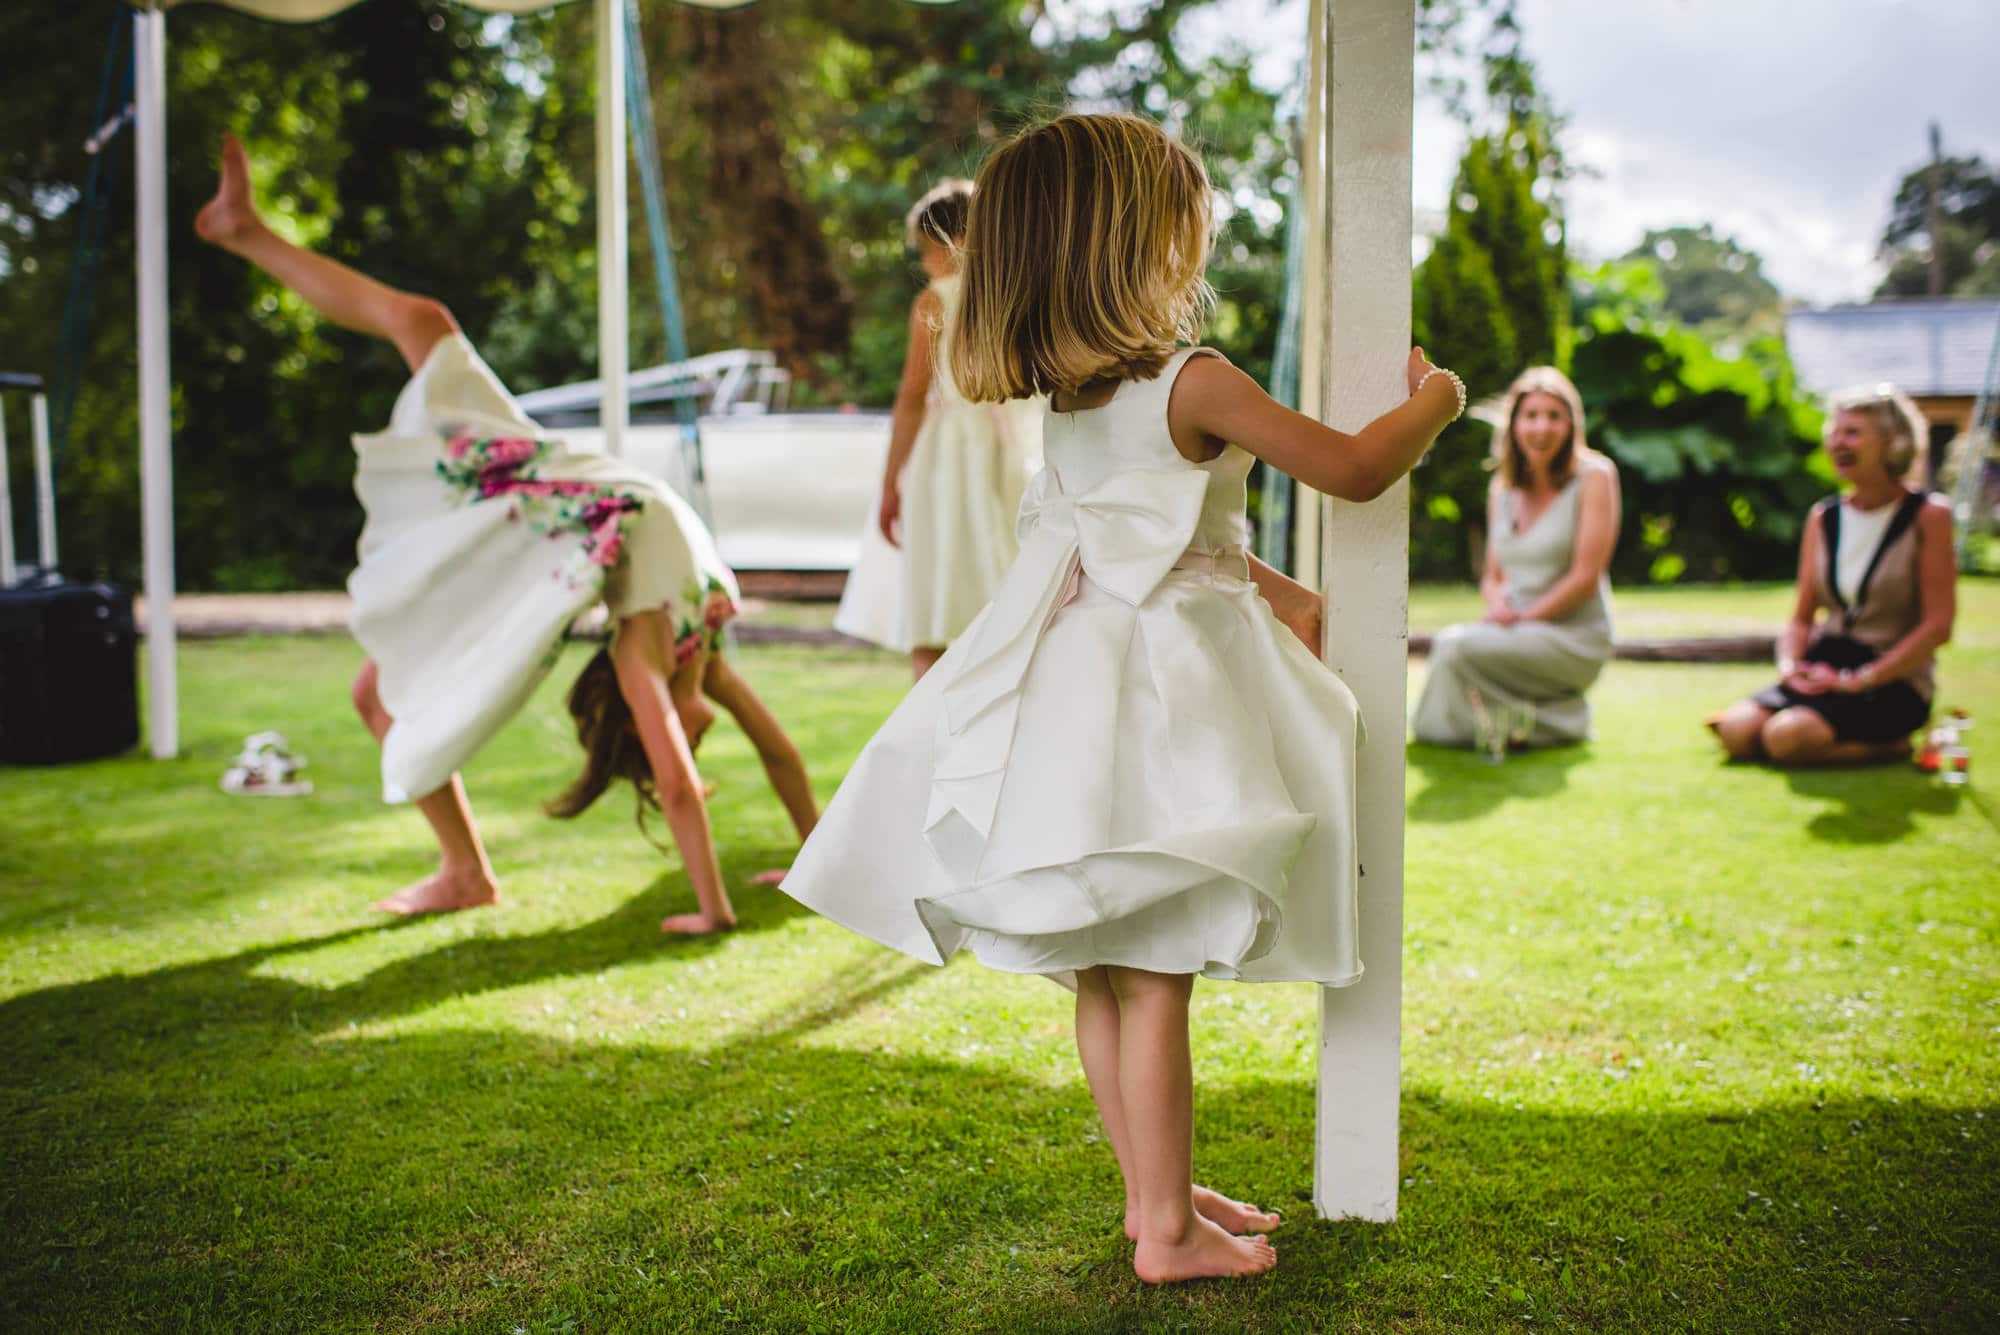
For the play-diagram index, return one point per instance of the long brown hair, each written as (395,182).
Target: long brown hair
(1083,258)
(611,746)
(1507,460)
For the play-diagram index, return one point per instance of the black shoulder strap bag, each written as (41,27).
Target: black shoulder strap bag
(1839,649)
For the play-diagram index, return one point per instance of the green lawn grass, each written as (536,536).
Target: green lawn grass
(1687,1047)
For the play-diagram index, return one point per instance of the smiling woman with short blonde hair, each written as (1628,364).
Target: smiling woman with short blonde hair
(1877,560)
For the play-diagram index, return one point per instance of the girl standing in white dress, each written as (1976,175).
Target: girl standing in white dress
(944,532)
(1127,772)
(484,540)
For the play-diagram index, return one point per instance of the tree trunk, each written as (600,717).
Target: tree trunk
(762,219)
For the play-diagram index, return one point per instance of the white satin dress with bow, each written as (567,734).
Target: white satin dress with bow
(1125,760)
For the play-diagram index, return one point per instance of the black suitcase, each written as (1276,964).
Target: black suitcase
(69,678)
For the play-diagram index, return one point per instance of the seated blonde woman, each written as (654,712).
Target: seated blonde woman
(1876,598)
(1552,523)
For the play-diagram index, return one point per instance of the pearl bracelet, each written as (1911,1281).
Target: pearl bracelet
(1457,385)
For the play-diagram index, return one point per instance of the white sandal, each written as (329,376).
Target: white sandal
(266,768)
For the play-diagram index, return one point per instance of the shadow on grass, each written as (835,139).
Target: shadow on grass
(1878,804)
(205,1147)
(229,991)
(1463,785)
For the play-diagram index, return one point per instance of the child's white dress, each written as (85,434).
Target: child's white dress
(960,490)
(1125,760)
(484,539)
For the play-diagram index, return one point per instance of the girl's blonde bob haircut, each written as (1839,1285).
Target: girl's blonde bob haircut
(1508,460)
(1893,413)
(1083,259)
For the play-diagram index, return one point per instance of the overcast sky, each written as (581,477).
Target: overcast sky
(1785,122)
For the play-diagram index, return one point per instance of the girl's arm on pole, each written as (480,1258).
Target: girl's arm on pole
(783,764)
(912,396)
(1213,402)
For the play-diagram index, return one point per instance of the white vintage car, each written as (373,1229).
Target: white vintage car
(782,490)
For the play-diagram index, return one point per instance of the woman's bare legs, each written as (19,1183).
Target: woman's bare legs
(924,658)
(1097,1046)
(1799,737)
(1740,729)
(345,296)
(464,878)
(658,697)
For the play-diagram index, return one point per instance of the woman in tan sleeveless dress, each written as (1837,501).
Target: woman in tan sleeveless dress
(1519,675)
(1855,683)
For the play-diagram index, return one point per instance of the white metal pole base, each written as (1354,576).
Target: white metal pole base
(1358,279)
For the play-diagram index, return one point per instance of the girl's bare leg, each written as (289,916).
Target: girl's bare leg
(1097,1046)
(1156,1091)
(923,659)
(345,296)
(783,765)
(464,878)
(641,658)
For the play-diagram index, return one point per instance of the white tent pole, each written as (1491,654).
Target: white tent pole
(1368,51)
(45,486)
(156,464)
(6,510)
(612,269)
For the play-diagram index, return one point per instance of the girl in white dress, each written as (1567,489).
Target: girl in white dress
(944,532)
(484,540)
(1127,772)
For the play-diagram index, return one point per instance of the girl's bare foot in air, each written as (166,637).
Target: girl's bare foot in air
(443,891)
(695,924)
(231,217)
(1236,1216)
(1205,1251)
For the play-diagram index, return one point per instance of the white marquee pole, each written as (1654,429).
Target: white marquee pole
(45,485)
(156,463)
(6,510)
(1366,50)
(612,268)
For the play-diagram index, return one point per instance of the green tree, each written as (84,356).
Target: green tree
(1711,282)
(1718,454)
(1490,300)
(1969,209)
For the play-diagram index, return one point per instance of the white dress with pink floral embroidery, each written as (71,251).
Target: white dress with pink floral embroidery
(485,538)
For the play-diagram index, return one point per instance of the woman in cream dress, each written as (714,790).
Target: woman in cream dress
(1519,676)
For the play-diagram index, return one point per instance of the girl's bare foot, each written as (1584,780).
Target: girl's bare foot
(229,218)
(695,924)
(1205,1251)
(1236,1216)
(442,892)
(776,876)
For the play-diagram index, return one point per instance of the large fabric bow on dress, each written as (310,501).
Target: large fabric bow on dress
(1124,535)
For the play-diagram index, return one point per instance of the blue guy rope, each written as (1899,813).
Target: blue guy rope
(93,216)
(639,110)
(1274,512)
